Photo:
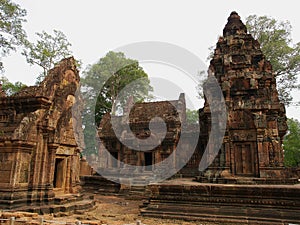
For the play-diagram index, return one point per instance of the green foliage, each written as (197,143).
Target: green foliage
(192,116)
(276,43)
(104,81)
(47,51)
(11,27)
(291,144)
(10,88)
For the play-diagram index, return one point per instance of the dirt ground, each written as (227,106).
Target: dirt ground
(115,210)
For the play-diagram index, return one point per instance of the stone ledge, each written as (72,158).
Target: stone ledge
(254,204)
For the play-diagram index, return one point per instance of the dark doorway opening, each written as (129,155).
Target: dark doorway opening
(148,160)
(58,181)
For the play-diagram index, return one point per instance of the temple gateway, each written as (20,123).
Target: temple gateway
(39,154)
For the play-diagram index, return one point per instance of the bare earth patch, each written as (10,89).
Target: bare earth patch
(115,210)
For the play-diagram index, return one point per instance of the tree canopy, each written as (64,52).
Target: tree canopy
(192,116)
(10,88)
(291,144)
(104,81)
(12,34)
(47,51)
(276,43)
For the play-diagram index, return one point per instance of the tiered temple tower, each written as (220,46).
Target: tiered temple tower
(256,123)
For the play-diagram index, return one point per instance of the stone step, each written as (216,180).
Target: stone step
(239,204)
(222,219)
(60,209)
(138,193)
(67,198)
(75,207)
(138,186)
(137,197)
(134,192)
(98,184)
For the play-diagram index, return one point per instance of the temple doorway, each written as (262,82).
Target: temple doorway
(148,161)
(245,159)
(59,173)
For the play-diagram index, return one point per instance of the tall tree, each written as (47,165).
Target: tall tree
(10,88)
(103,82)
(111,74)
(47,51)
(12,34)
(276,43)
(291,144)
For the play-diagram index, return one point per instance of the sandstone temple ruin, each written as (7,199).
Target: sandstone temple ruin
(41,144)
(139,119)
(247,182)
(174,115)
(256,124)
(39,155)
(250,156)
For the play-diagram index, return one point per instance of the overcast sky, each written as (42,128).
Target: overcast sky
(94,27)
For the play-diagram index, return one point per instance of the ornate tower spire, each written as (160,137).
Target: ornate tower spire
(234,25)
(252,145)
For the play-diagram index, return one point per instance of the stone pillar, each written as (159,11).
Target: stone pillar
(174,157)
(68,174)
(232,158)
(52,152)
(227,155)
(261,151)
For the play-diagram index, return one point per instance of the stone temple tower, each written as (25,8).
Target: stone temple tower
(256,123)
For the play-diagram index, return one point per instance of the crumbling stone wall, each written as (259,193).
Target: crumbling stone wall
(38,148)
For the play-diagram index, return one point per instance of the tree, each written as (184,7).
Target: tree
(192,116)
(103,82)
(47,51)
(10,88)
(12,34)
(112,74)
(291,144)
(276,43)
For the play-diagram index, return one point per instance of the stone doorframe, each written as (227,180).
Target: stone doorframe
(60,177)
(245,159)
